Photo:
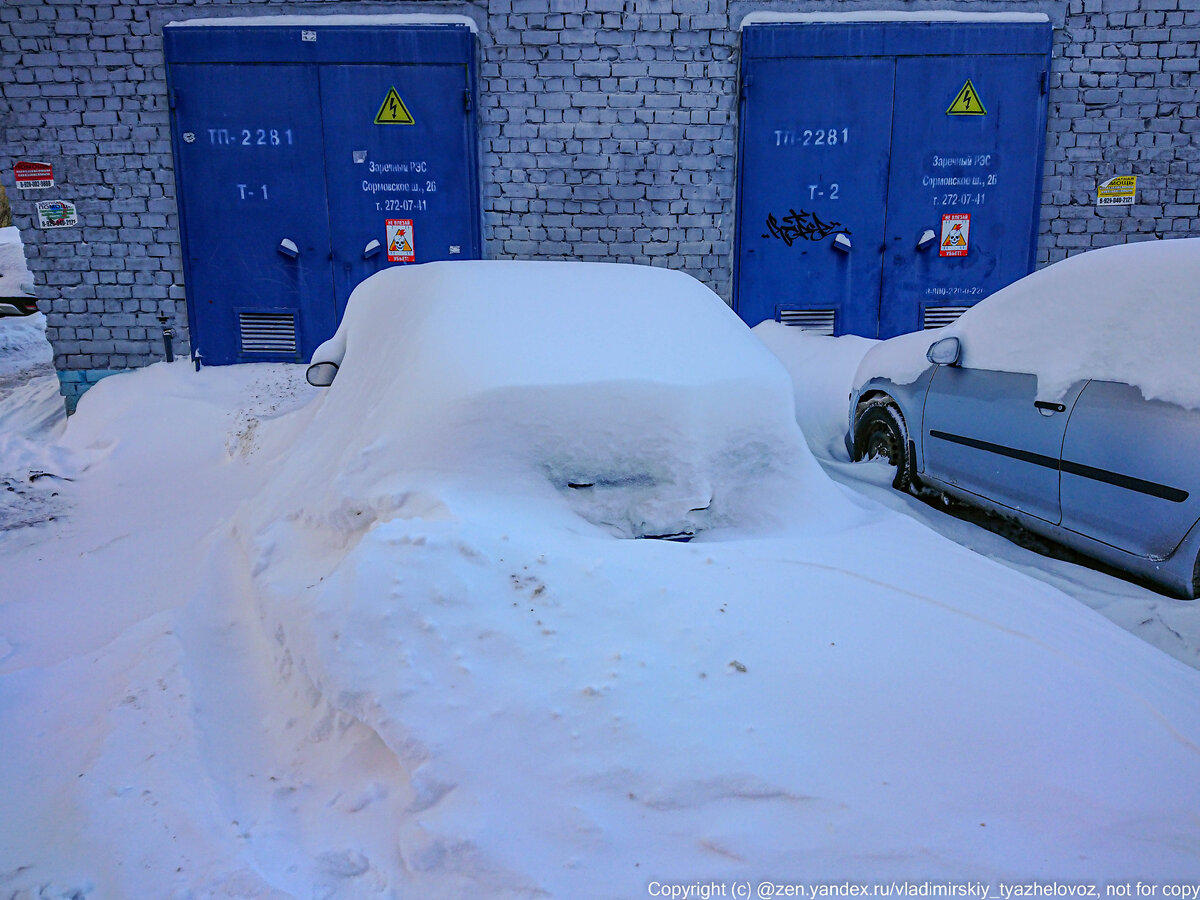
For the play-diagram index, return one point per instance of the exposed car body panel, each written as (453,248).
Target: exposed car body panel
(982,429)
(1128,478)
(1069,400)
(1131,469)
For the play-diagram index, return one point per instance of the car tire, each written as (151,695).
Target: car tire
(880,433)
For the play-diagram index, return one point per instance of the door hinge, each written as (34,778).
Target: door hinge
(467,100)
(1045,82)
(172,98)
(745,91)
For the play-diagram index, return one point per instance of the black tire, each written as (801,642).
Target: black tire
(880,433)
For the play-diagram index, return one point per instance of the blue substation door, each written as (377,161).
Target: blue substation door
(889,172)
(308,157)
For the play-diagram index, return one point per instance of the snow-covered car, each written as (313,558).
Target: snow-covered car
(1070,401)
(633,391)
(23,304)
(16,283)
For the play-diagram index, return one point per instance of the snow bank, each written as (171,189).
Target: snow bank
(15,277)
(1128,313)
(30,403)
(638,385)
(267,657)
(822,370)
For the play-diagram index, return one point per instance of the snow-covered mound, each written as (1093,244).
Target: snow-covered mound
(821,369)
(634,392)
(30,403)
(1129,313)
(236,670)
(15,277)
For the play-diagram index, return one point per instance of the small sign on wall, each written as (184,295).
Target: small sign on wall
(956,234)
(56,214)
(1120,190)
(400,240)
(32,176)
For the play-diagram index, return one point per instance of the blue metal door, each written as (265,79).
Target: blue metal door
(937,168)
(398,151)
(256,241)
(815,158)
(307,157)
(966,152)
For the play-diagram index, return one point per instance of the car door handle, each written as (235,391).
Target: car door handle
(1049,407)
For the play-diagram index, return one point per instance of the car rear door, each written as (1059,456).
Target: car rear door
(1130,470)
(986,432)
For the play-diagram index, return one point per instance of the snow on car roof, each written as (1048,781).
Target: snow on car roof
(1128,313)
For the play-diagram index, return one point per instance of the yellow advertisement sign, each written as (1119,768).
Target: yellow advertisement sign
(1118,191)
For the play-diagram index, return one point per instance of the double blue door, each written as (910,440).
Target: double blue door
(889,172)
(304,165)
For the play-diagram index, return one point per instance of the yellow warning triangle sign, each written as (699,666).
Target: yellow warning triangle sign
(400,245)
(393,111)
(967,102)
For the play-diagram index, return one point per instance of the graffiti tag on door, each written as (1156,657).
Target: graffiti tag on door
(801,226)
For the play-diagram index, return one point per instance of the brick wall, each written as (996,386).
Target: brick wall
(607,127)
(83,89)
(1123,101)
(608,132)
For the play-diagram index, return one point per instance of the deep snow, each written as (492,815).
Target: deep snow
(216,682)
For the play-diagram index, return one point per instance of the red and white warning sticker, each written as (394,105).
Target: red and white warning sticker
(33,175)
(400,241)
(956,234)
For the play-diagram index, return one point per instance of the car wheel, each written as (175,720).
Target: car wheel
(880,433)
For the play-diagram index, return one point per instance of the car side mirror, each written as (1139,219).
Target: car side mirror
(945,352)
(321,374)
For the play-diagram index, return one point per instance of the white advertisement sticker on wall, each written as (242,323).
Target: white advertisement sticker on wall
(56,214)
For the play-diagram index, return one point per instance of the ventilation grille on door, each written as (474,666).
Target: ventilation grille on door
(937,316)
(818,320)
(267,332)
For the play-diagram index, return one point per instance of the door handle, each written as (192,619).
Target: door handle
(1049,407)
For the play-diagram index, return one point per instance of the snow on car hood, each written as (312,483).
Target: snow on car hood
(1129,313)
(636,380)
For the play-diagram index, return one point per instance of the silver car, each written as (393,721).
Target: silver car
(1018,408)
